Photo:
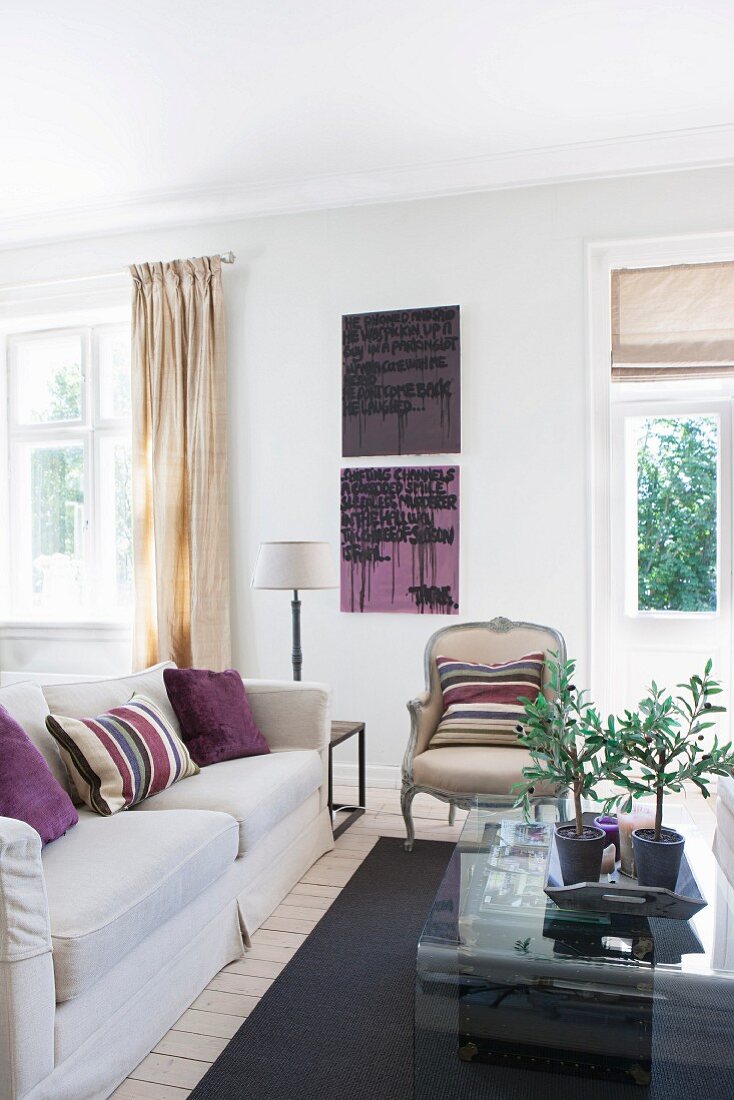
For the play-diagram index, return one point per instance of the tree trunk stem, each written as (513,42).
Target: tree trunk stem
(577,808)
(659,813)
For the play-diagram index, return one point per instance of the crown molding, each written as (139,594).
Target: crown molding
(675,150)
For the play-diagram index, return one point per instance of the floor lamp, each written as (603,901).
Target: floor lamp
(297,566)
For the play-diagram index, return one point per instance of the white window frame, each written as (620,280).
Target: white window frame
(603,257)
(91,430)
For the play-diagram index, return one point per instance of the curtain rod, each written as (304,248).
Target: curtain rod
(225,257)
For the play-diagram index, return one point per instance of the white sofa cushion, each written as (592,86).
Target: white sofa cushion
(724,838)
(724,790)
(111,881)
(258,791)
(93,697)
(26,703)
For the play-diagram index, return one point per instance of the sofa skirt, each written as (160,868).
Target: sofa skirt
(141,997)
(94,1069)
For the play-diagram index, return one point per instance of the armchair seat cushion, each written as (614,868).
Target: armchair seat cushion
(473,769)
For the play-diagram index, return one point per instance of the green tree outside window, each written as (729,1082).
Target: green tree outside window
(676,509)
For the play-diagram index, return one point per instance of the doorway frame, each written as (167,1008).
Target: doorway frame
(603,257)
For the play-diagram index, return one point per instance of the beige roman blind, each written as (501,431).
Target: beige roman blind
(673,322)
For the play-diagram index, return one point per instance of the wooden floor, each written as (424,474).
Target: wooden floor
(183,1056)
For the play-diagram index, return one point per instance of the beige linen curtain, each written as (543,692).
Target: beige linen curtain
(180,496)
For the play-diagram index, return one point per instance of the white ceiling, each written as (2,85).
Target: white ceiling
(119,115)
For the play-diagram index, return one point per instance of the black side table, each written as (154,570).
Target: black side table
(341,731)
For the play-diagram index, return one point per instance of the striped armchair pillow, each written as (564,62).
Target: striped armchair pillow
(481,702)
(123,756)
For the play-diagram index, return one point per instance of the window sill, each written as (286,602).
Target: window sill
(690,616)
(68,629)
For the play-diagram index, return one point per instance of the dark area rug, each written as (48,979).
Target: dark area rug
(338,1021)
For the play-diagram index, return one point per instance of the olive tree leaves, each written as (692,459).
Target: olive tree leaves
(652,750)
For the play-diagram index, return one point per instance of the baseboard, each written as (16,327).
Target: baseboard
(390,775)
(378,775)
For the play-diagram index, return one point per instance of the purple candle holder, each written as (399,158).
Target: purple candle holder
(610,825)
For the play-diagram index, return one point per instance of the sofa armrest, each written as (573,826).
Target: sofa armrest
(723,846)
(27,991)
(291,715)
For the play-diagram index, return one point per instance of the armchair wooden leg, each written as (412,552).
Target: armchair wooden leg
(406,801)
(452,813)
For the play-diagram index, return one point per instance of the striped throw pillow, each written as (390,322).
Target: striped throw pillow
(121,757)
(481,702)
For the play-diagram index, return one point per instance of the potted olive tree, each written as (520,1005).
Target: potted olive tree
(566,742)
(663,740)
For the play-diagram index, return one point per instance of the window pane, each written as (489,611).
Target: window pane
(115,524)
(677,496)
(48,374)
(57,526)
(114,372)
(123,524)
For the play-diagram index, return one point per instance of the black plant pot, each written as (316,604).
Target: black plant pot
(579,856)
(658,861)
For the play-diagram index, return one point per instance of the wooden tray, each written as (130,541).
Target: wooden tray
(618,893)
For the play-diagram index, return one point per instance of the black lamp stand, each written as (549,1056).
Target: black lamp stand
(296,655)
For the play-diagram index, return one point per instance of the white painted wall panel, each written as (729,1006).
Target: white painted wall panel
(514,260)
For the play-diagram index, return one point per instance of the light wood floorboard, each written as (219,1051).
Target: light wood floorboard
(132,1089)
(187,1044)
(254,968)
(208,1023)
(165,1069)
(182,1057)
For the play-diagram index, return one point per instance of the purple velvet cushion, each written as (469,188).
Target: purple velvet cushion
(28,790)
(214,714)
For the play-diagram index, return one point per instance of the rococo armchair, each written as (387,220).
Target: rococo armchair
(458,773)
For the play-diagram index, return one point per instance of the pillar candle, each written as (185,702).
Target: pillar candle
(608,860)
(609,824)
(641,816)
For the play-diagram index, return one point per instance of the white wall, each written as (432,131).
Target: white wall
(515,261)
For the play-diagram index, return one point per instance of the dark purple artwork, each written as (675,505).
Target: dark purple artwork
(401,382)
(400,539)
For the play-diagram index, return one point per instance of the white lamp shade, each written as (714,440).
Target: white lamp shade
(294,565)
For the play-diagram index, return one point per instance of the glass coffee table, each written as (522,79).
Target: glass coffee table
(516,999)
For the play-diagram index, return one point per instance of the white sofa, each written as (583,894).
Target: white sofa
(724,839)
(109,933)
